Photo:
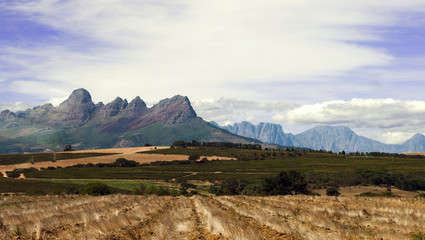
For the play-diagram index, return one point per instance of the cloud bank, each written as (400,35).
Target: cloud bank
(157,49)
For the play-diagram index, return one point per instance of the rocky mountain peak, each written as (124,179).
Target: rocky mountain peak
(113,108)
(417,142)
(177,109)
(78,108)
(78,96)
(136,105)
(7,115)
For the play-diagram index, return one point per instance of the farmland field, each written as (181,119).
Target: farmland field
(225,217)
(373,204)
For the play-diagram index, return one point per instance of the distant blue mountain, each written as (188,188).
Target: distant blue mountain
(333,138)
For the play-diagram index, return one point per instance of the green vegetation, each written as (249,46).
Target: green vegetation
(319,169)
(418,236)
(96,189)
(10,159)
(32,186)
(105,173)
(127,184)
(285,183)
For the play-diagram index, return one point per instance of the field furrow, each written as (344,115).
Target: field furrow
(209,218)
(223,220)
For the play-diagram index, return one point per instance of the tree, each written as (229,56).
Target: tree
(194,157)
(122,162)
(179,144)
(68,148)
(286,183)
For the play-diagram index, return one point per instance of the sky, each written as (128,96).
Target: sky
(298,63)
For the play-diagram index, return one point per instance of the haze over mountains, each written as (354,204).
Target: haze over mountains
(83,124)
(334,138)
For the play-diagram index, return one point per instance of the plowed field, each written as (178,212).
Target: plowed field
(227,217)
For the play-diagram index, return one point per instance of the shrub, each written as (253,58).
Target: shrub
(332,192)
(96,189)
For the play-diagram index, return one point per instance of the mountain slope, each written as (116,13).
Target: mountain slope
(83,124)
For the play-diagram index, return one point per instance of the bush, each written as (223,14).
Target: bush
(96,189)
(332,192)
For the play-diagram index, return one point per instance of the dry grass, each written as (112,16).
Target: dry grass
(227,217)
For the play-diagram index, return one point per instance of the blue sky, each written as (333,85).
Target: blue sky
(299,63)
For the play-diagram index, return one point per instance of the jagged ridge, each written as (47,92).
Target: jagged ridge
(80,122)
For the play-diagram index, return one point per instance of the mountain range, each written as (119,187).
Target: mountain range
(330,138)
(83,124)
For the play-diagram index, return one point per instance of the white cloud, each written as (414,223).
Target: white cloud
(228,110)
(140,47)
(388,120)
(16,106)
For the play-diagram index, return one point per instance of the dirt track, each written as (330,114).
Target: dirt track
(127,153)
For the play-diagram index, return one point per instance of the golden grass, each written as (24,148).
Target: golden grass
(226,217)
